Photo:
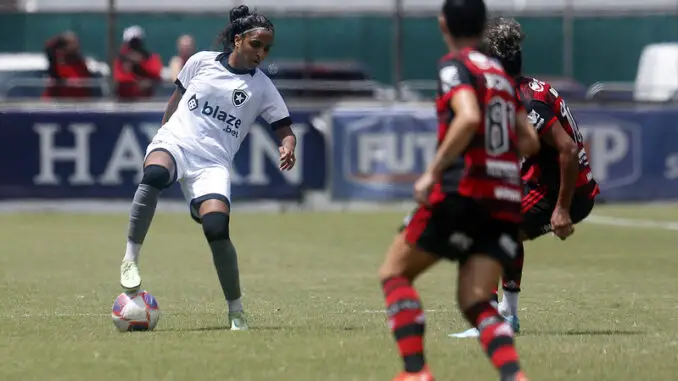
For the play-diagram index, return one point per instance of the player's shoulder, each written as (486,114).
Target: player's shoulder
(204,56)
(262,81)
(538,90)
(262,76)
(534,84)
(472,60)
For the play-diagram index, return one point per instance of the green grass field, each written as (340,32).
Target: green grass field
(601,306)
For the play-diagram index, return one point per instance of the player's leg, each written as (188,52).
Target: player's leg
(158,173)
(535,216)
(478,277)
(215,216)
(402,265)
(537,209)
(209,191)
(513,274)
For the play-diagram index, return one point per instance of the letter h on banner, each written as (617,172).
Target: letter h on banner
(50,154)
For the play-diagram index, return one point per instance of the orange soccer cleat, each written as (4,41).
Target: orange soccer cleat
(520,377)
(423,375)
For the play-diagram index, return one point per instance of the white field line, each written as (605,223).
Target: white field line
(632,223)
(384,311)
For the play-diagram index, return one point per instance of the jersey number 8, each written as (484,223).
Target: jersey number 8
(500,117)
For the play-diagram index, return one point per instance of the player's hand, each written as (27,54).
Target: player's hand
(423,187)
(561,223)
(287,158)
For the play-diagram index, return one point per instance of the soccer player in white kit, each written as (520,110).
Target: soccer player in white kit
(218,97)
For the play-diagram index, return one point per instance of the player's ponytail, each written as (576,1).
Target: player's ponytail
(242,20)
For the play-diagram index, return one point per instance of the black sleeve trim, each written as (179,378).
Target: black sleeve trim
(543,109)
(462,77)
(467,78)
(180,86)
(284,122)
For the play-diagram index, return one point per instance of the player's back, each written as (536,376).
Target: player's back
(488,170)
(545,107)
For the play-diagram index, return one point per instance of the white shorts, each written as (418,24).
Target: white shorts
(200,179)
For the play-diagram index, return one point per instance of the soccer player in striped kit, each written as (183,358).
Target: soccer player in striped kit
(560,188)
(469,198)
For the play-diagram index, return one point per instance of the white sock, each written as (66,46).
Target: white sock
(509,303)
(132,252)
(235,305)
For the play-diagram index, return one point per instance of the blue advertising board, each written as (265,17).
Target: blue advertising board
(377,154)
(48,154)
(633,153)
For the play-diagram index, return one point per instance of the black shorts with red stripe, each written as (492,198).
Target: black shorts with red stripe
(457,227)
(538,205)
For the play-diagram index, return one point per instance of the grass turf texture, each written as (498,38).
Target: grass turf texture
(599,307)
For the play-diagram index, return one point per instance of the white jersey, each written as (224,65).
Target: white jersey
(219,105)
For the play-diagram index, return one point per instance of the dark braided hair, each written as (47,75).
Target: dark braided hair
(502,40)
(242,20)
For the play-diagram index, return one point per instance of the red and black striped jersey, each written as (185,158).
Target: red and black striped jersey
(545,107)
(489,168)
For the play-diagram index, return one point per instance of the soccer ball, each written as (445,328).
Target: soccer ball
(135,312)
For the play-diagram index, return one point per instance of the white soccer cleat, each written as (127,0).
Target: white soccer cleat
(238,321)
(469,333)
(130,279)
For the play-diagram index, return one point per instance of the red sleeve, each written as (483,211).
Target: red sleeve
(120,75)
(152,66)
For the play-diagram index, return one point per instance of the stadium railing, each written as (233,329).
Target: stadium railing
(30,88)
(17,88)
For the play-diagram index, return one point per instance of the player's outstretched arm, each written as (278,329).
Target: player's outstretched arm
(172,105)
(569,162)
(288,143)
(528,140)
(466,120)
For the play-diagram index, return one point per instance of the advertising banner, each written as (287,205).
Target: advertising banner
(48,154)
(378,153)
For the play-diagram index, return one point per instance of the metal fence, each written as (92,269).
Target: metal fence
(566,38)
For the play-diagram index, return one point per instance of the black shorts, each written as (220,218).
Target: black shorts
(538,205)
(458,227)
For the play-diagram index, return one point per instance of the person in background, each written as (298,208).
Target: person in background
(136,70)
(67,69)
(185,49)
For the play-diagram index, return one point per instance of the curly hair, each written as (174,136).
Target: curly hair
(502,39)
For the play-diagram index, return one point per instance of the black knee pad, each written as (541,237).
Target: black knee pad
(215,226)
(156,176)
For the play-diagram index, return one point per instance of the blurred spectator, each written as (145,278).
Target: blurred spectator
(136,70)
(185,49)
(67,68)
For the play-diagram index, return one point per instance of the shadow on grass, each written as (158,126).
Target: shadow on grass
(252,328)
(585,332)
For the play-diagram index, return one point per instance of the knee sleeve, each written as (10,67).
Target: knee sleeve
(215,226)
(156,176)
